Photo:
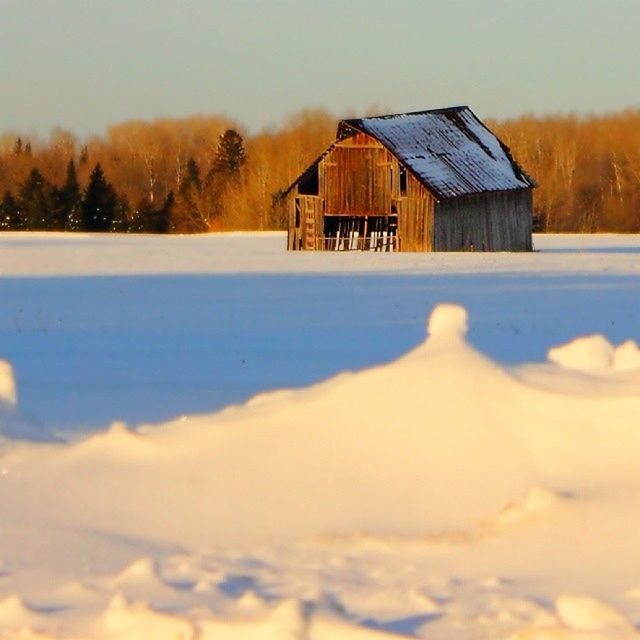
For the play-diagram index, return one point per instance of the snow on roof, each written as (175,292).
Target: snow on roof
(449,150)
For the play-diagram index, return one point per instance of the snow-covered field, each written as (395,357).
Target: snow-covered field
(476,480)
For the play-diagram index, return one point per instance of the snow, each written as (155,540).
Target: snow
(7,384)
(596,353)
(100,329)
(447,322)
(382,483)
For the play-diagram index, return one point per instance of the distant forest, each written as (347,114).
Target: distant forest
(204,173)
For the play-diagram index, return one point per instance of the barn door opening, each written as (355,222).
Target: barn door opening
(360,233)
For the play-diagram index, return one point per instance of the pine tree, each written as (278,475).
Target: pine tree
(36,200)
(164,214)
(9,213)
(191,180)
(56,218)
(122,222)
(186,214)
(142,216)
(70,198)
(148,219)
(99,202)
(230,154)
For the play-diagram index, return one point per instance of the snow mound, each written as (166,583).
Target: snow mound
(143,570)
(584,613)
(447,321)
(596,354)
(539,504)
(141,579)
(249,601)
(17,616)
(133,621)
(8,392)
(13,425)
(627,357)
(383,603)
(118,440)
(309,462)
(77,592)
(582,618)
(284,622)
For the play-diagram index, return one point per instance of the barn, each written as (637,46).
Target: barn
(434,180)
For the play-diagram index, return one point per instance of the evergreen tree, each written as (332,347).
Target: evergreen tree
(122,222)
(186,213)
(99,202)
(157,220)
(56,219)
(223,176)
(141,213)
(163,220)
(191,180)
(36,201)
(148,219)
(70,199)
(10,218)
(230,154)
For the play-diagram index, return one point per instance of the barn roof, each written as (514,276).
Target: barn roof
(449,150)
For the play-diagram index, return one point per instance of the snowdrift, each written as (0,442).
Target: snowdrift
(428,444)
(441,445)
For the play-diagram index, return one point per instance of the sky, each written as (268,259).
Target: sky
(85,64)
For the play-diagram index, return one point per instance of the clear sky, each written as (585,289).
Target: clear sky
(85,64)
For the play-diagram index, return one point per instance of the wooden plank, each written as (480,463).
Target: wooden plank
(500,221)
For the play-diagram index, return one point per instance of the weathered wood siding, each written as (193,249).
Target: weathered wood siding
(415,217)
(500,221)
(359,177)
(305,222)
(355,178)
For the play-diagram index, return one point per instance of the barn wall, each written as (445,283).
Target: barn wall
(359,177)
(500,221)
(415,217)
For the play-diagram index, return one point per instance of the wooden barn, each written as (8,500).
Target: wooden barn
(434,180)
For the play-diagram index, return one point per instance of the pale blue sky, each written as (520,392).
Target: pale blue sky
(84,64)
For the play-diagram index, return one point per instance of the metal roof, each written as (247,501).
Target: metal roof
(449,150)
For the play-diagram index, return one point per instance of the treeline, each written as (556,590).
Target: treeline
(170,175)
(205,173)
